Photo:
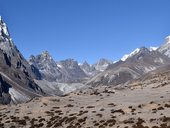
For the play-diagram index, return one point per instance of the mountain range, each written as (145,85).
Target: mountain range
(41,75)
(137,64)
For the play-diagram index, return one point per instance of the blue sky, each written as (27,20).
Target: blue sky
(86,29)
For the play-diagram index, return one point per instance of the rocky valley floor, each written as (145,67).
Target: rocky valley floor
(104,107)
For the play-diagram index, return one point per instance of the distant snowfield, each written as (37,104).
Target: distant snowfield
(131,54)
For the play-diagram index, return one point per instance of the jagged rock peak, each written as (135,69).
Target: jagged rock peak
(102,64)
(103,61)
(144,50)
(1,20)
(32,57)
(3,28)
(88,69)
(6,43)
(46,54)
(42,59)
(69,63)
(86,63)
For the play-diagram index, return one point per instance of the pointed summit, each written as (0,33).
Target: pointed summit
(3,29)
(143,51)
(88,69)
(165,47)
(102,64)
(47,66)
(167,39)
(44,57)
(46,54)
(126,56)
(6,43)
(85,63)
(1,20)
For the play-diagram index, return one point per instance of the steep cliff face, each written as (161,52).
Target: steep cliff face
(16,73)
(71,71)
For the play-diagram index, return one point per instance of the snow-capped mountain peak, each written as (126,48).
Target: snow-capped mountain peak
(15,70)
(165,48)
(3,28)
(167,39)
(153,48)
(131,54)
(126,56)
(6,44)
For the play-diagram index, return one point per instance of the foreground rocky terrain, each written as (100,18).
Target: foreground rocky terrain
(144,105)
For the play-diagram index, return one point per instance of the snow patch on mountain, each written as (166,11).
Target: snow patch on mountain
(148,69)
(159,60)
(125,57)
(153,48)
(59,65)
(167,39)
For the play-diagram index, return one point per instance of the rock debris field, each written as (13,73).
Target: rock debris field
(100,107)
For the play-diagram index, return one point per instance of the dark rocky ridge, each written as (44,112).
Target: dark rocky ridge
(15,71)
(102,64)
(66,71)
(46,65)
